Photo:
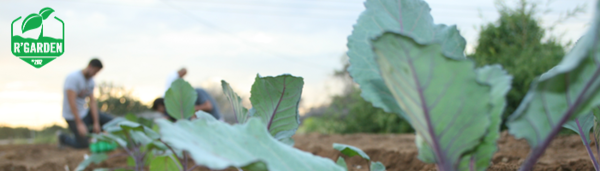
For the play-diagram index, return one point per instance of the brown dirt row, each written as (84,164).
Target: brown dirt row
(396,152)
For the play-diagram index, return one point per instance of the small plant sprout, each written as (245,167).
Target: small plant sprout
(351,151)
(582,126)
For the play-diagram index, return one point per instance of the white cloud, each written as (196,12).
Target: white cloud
(29,96)
(20,85)
(147,94)
(133,2)
(32,114)
(97,20)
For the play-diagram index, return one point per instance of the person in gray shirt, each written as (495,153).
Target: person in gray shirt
(79,86)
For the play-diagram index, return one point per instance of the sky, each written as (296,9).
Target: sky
(141,41)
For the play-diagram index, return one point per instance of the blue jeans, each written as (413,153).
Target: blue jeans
(77,141)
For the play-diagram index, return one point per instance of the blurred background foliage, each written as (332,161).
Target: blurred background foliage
(117,100)
(521,45)
(350,113)
(20,135)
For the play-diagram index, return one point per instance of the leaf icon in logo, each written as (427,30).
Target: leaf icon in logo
(31,22)
(45,12)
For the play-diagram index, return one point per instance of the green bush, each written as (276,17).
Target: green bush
(350,113)
(517,41)
(118,101)
(23,135)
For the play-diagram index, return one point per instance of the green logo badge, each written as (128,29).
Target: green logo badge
(38,39)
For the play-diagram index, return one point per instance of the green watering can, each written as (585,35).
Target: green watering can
(102,146)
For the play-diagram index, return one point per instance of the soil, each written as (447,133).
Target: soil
(396,152)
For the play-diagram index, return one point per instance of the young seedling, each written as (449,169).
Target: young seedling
(582,126)
(351,151)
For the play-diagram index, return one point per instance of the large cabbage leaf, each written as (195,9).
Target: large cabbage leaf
(565,92)
(582,126)
(276,101)
(410,17)
(218,145)
(500,81)
(447,106)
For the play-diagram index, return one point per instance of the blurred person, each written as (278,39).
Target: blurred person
(78,86)
(159,106)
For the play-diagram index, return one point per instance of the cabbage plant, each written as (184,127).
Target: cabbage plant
(567,92)
(406,64)
(140,143)
(259,140)
(351,151)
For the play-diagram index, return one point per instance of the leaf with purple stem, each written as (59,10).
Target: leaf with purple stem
(239,111)
(410,17)
(275,100)
(565,92)
(596,127)
(582,126)
(448,107)
(586,122)
(500,81)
